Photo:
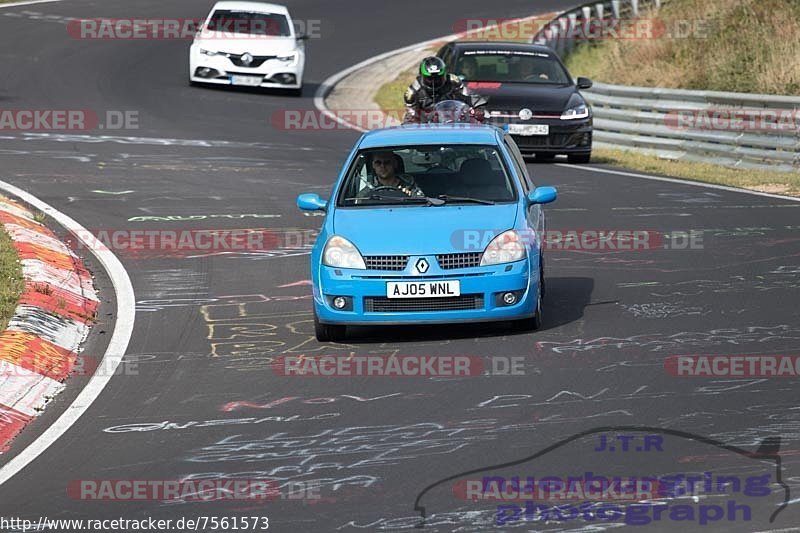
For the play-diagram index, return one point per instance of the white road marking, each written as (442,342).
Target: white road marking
(676,180)
(123,329)
(28,3)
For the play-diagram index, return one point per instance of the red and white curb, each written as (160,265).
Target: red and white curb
(39,348)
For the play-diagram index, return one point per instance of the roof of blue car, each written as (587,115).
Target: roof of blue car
(430,134)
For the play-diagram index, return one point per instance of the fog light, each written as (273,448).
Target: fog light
(509,298)
(339,302)
(205,72)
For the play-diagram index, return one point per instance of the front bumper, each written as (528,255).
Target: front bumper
(478,302)
(220,70)
(565,137)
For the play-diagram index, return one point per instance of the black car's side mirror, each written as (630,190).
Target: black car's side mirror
(584,83)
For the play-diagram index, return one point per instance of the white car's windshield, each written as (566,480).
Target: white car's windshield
(408,175)
(244,22)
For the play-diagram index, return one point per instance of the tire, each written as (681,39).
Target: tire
(542,282)
(328,332)
(545,156)
(579,158)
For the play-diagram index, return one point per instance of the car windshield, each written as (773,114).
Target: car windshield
(245,22)
(507,66)
(408,175)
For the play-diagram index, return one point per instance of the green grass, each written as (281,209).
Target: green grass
(11,282)
(390,96)
(739,46)
(758,180)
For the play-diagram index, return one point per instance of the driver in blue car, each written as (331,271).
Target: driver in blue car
(385,174)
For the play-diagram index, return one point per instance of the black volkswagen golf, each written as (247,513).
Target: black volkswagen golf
(530,89)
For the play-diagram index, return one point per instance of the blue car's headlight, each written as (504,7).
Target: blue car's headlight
(340,253)
(576,112)
(505,248)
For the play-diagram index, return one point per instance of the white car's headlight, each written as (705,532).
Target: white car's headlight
(576,112)
(505,248)
(339,252)
(208,52)
(291,57)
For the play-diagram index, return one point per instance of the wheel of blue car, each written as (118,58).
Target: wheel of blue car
(328,332)
(536,321)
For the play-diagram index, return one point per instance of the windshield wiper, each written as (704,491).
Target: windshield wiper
(400,199)
(447,198)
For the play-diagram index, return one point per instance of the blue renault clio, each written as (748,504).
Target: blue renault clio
(429,224)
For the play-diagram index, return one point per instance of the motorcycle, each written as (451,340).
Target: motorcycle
(449,112)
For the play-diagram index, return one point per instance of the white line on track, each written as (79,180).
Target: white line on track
(123,329)
(676,180)
(28,3)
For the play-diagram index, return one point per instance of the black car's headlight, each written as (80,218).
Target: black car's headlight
(576,112)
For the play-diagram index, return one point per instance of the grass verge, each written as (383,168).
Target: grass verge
(787,183)
(11,281)
(724,45)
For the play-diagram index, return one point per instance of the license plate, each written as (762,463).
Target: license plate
(422,289)
(249,81)
(529,129)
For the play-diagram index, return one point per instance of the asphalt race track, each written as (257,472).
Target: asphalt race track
(208,328)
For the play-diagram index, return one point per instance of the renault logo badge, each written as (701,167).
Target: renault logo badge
(247,58)
(422,266)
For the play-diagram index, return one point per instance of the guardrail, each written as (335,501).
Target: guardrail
(730,129)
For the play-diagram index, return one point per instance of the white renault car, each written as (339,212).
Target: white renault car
(252,44)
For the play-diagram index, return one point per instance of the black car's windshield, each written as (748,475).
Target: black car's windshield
(469,174)
(511,66)
(245,22)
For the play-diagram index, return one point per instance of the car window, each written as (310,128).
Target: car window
(467,171)
(245,22)
(512,66)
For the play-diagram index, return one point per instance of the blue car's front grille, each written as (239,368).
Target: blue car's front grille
(386,262)
(463,260)
(381,304)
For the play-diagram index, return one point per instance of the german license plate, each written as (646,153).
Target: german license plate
(248,81)
(423,289)
(529,129)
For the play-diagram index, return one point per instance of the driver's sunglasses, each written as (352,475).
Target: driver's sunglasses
(384,162)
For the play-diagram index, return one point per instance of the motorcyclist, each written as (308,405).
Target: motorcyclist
(431,86)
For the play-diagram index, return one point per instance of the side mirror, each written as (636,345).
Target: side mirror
(301,37)
(584,83)
(311,202)
(543,195)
